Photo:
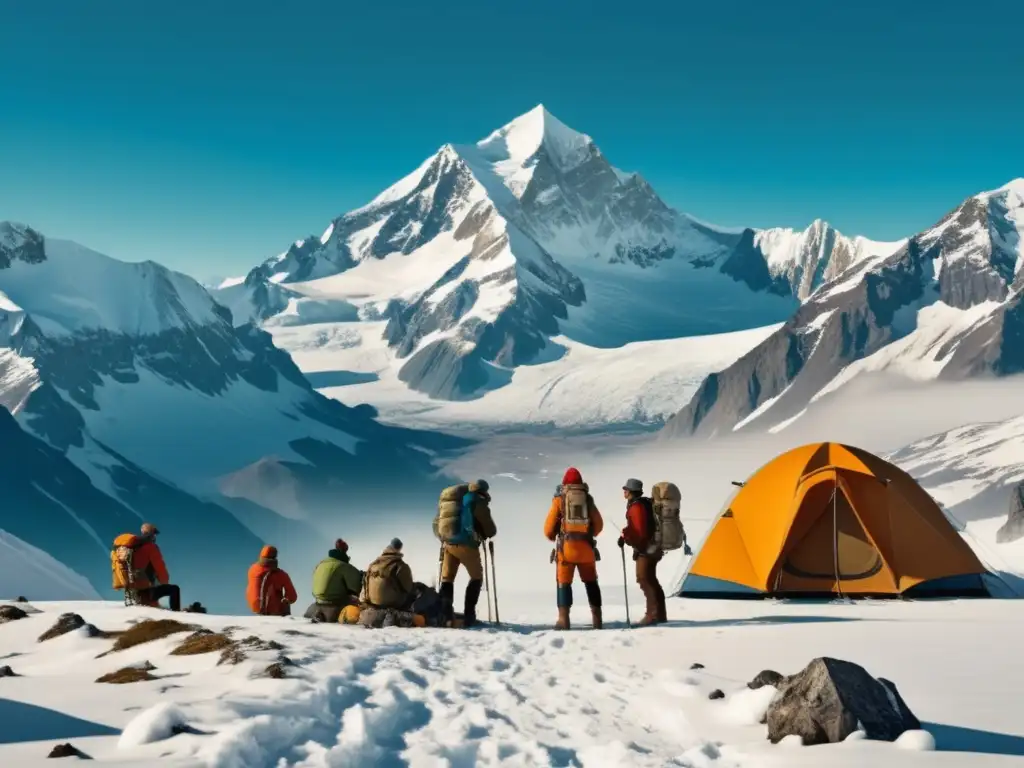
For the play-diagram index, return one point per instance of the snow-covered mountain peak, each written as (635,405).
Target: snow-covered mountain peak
(1014,187)
(520,140)
(66,288)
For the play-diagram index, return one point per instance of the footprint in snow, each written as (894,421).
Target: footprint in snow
(499,665)
(557,642)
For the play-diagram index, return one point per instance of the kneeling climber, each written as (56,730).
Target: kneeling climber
(462,524)
(573,522)
(139,569)
(270,591)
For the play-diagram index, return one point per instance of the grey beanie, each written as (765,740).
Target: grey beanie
(396,544)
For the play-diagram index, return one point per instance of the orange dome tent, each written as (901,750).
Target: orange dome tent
(829,519)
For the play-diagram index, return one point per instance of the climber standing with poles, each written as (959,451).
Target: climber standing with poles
(652,528)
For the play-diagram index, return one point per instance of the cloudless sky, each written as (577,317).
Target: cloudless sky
(209,135)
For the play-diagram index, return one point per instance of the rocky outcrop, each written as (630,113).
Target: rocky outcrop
(11,613)
(1013,528)
(66,622)
(830,699)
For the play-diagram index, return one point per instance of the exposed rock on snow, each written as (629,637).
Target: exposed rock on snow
(716,694)
(6,671)
(765,677)
(202,641)
(136,674)
(66,622)
(147,631)
(68,750)
(11,613)
(1013,528)
(830,699)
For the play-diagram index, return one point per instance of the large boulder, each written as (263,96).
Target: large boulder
(830,699)
(1013,528)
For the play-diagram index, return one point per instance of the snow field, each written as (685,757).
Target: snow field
(585,388)
(525,695)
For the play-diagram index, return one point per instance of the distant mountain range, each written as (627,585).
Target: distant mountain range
(945,305)
(484,255)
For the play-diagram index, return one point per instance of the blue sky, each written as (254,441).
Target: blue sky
(207,136)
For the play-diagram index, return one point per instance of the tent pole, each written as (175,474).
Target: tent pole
(835,536)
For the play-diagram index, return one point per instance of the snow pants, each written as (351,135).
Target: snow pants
(588,575)
(456,555)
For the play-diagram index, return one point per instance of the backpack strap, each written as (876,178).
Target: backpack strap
(263,592)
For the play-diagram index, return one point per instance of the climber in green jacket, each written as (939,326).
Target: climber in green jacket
(336,583)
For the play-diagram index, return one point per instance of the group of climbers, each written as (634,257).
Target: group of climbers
(386,592)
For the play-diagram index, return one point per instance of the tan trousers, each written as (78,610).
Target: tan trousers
(454,556)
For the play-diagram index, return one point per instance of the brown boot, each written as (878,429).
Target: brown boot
(651,612)
(661,615)
(595,613)
(563,618)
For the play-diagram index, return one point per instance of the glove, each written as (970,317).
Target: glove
(687,551)
(621,542)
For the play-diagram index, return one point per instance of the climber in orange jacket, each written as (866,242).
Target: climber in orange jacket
(139,569)
(270,591)
(572,523)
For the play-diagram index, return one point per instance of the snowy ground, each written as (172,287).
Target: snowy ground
(524,695)
(587,388)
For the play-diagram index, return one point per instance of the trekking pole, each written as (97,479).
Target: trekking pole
(494,580)
(487,586)
(440,564)
(625,579)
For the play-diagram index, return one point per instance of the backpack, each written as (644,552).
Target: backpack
(123,572)
(668,528)
(576,522)
(576,512)
(453,523)
(381,585)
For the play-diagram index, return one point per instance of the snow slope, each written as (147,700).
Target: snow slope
(637,385)
(524,695)
(28,570)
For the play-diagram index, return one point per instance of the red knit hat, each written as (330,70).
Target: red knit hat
(340,545)
(572,476)
(269,552)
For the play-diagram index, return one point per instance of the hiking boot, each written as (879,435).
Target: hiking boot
(661,615)
(447,595)
(563,617)
(472,596)
(595,613)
